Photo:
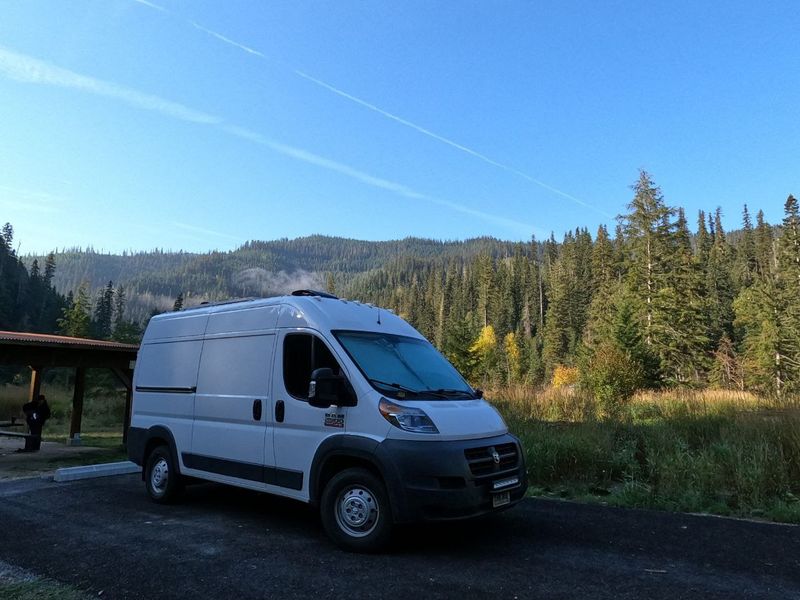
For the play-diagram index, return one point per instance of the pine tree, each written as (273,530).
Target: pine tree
(719,284)
(646,230)
(746,261)
(8,238)
(704,241)
(789,257)
(124,330)
(49,269)
(681,334)
(764,250)
(178,305)
(104,312)
(559,336)
(485,285)
(330,283)
(75,321)
(727,371)
(769,311)
(120,301)
(458,340)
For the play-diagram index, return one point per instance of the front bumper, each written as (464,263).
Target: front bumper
(432,481)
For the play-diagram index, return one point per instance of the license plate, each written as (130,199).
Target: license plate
(501,499)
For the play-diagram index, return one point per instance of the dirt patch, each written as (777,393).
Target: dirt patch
(51,456)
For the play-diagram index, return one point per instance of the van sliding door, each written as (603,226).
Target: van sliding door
(232,433)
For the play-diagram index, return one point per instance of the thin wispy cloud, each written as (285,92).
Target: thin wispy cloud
(405,122)
(30,200)
(31,70)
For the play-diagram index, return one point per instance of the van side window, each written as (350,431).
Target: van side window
(302,353)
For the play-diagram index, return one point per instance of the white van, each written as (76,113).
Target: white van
(327,401)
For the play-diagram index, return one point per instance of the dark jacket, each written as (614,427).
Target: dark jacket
(36,415)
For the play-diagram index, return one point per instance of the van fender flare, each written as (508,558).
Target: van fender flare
(163,433)
(353,446)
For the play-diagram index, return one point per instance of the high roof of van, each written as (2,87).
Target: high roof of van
(315,312)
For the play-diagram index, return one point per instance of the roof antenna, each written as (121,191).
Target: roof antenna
(379,314)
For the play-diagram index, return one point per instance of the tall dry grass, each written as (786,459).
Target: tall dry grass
(712,451)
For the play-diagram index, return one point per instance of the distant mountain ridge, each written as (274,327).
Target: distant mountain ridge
(153,279)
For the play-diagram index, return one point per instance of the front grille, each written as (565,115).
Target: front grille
(482,460)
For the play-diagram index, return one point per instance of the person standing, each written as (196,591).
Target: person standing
(36,413)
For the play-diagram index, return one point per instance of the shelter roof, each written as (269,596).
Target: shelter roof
(59,341)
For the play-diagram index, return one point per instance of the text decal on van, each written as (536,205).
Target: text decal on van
(334,420)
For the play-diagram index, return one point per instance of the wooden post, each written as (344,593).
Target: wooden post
(36,382)
(125,377)
(77,407)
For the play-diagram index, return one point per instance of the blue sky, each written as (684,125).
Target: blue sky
(130,124)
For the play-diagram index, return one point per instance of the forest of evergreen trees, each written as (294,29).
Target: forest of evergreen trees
(28,301)
(650,304)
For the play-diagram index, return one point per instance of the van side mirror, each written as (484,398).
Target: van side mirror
(327,389)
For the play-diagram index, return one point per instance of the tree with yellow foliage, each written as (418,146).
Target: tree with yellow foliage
(484,354)
(513,357)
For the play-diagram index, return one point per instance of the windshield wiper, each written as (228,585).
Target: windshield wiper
(407,390)
(396,386)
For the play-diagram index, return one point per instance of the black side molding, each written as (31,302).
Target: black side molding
(166,390)
(292,480)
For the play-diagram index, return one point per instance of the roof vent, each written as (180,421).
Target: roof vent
(314,293)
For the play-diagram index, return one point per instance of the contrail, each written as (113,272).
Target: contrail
(32,70)
(405,122)
(443,139)
(222,38)
(152,5)
(378,182)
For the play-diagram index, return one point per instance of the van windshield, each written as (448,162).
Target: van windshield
(404,367)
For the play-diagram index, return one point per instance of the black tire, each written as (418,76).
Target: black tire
(355,511)
(161,477)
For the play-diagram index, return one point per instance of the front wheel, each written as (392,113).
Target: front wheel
(355,511)
(161,477)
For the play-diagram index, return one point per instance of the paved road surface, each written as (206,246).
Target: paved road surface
(221,542)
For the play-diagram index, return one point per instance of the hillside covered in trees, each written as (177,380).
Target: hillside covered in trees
(650,304)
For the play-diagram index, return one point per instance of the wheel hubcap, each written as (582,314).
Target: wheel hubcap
(160,476)
(357,511)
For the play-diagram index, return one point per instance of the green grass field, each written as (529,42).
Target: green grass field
(720,452)
(103,407)
(725,453)
(101,426)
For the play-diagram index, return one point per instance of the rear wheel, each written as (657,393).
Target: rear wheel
(355,511)
(161,477)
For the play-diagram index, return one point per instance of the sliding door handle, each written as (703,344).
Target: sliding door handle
(280,409)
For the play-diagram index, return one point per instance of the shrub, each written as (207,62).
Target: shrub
(564,376)
(612,377)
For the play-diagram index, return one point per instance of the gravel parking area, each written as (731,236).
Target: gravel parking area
(105,534)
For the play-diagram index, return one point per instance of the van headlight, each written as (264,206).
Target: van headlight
(407,418)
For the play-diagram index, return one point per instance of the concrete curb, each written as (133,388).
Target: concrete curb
(90,471)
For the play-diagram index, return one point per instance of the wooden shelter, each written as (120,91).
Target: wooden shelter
(40,352)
